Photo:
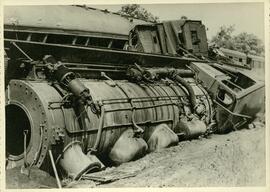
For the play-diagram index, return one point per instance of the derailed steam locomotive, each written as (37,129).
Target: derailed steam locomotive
(107,89)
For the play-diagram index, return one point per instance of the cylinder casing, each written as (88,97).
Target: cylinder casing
(126,105)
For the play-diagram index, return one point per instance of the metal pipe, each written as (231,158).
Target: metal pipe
(146,107)
(27,56)
(119,126)
(25,132)
(98,138)
(137,129)
(172,73)
(119,100)
(122,53)
(54,170)
(192,96)
(153,73)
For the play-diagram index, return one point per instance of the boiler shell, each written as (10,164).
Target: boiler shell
(152,103)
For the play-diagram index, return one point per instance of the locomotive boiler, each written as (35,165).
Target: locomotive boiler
(76,91)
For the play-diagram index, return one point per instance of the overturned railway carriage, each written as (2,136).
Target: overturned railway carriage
(93,105)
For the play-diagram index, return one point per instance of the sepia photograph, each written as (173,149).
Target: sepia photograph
(134,95)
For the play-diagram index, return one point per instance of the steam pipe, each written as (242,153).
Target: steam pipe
(98,138)
(192,97)
(174,74)
(154,73)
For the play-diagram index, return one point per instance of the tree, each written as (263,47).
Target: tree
(183,17)
(135,10)
(224,37)
(248,43)
(243,42)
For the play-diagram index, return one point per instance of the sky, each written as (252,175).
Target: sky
(247,17)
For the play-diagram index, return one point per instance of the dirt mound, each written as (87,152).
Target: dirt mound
(234,159)
(37,179)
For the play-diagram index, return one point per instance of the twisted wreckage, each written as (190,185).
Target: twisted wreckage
(87,88)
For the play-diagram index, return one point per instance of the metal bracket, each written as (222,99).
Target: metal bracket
(58,134)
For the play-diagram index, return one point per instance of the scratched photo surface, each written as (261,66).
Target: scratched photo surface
(134,95)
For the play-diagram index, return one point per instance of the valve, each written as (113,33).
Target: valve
(56,71)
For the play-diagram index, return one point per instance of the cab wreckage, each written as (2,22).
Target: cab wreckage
(87,88)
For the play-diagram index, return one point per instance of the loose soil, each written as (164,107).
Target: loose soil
(234,159)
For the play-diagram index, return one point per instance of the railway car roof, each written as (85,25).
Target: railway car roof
(238,53)
(73,18)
